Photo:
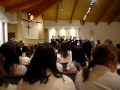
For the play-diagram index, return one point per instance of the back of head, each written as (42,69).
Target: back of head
(87,46)
(9,51)
(44,58)
(64,48)
(3,72)
(108,41)
(104,54)
(79,55)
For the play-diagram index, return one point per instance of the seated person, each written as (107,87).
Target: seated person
(100,73)
(79,60)
(24,59)
(11,54)
(64,54)
(42,73)
(4,84)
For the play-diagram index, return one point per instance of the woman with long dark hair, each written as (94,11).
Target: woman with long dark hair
(101,71)
(64,54)
(4,83)
(42,73)
(79,60)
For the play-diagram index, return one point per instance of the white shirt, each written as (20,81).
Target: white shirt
(59,67)
(9,87)
(71,67)
(101,78)
(20,69)
(24,60)
(68,59)
(54,83)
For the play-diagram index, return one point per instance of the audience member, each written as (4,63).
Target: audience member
(24,59)
(64,54)
(99,75)
(79,61)
(11,53)
(87,47)
(4,83)
(42,73)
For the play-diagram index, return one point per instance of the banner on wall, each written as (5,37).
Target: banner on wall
(30,30)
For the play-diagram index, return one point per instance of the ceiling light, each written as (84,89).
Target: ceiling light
(29,14)
(91,4)
(61,6)
(85,17)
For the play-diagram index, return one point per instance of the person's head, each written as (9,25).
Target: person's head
(79,56)
(30,51)
(70,37)
(10,52)
(64,48)
(87,47)
(44,59)
(104,54)
(98,41)
(109,41)
(3,72)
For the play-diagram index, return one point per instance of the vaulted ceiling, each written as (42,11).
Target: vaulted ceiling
(100,10)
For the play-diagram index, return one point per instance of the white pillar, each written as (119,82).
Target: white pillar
(1,33)
(6,31)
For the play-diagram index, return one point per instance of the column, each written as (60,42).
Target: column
(19,31)
(1,33)
(40,29)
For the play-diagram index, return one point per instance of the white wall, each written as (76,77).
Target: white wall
(3,26)
(101,31)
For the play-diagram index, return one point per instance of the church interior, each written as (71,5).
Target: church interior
(38,21)
(70,42)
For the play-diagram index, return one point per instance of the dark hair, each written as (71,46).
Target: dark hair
(64,49)
(30,51)
(79,56)
(102,54)
(10,52)
(44,58)
(2,79)
(87,47)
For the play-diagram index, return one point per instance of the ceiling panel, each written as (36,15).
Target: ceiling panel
(102,10)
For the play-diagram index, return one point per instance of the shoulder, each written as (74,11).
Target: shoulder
(69,84)
(11,87)
(114,77)
(79,77)
(68,80)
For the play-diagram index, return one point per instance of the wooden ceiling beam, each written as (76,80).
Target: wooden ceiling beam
(115,13)
(73,11)
(103,12)
(21,5)
(44,7)
(113,17)
(34,7)
(57,9)
(6,2)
